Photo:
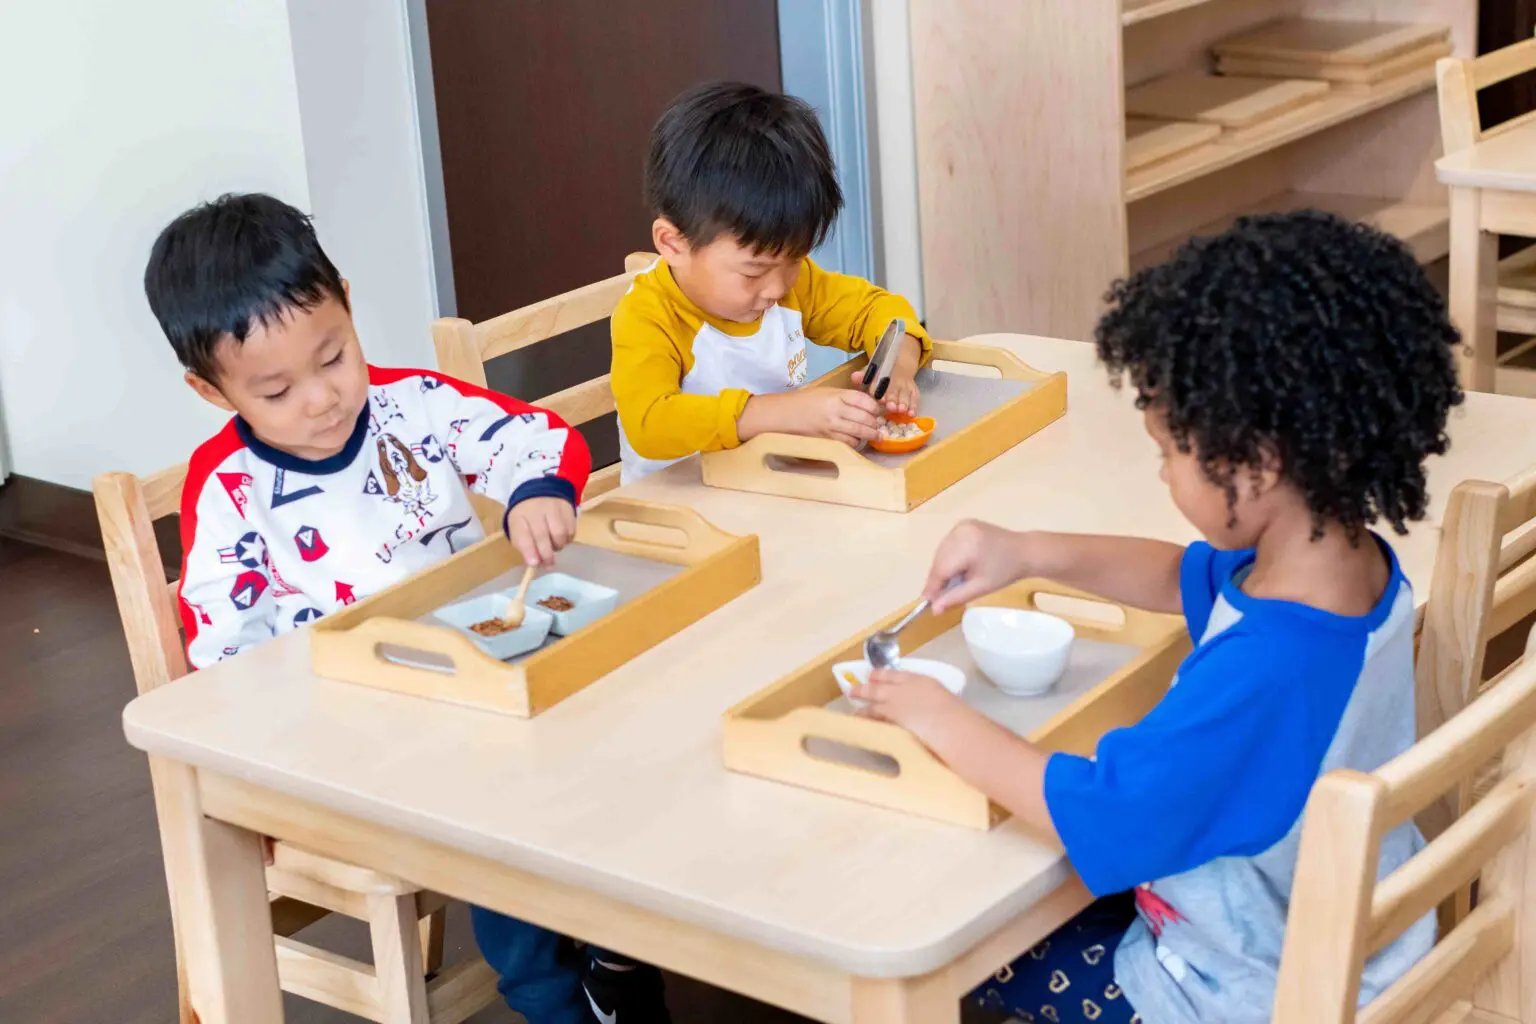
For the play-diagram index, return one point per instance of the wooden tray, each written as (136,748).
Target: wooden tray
(1229,101)
(1147,140)
(383,642)
(799,731)
(1315,41)
(1341,75)
(980,415)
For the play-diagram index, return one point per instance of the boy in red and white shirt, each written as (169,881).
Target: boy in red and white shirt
(336,479)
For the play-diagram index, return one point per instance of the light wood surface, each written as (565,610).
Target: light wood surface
(1227,100)
(1342,75)
(770,734)
(351,644)
(1340,912)
(1148,140)
(996,122)
(1315,41)
(1332,109)
(633,804)
(776,463)
(1004,96)
(1492,179)
(1506,162)
(126,508)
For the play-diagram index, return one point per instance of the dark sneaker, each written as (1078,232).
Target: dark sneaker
(627,995)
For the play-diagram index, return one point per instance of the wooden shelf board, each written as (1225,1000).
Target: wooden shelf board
(1136,11)
(1424,227)
(1333,109)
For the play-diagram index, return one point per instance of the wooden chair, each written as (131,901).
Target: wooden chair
(1484,969)
(1480,211)
(405,923)
(1484,583)
(463,349)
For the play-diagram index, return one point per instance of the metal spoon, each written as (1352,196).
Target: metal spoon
(881,649)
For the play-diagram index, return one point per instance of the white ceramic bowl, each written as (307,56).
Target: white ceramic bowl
(591,600)
(1023,652)
(951,678)
(533,632)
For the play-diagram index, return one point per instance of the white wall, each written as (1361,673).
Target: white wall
(116,117)
(362,150)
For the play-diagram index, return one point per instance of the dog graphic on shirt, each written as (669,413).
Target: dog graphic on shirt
(405,482)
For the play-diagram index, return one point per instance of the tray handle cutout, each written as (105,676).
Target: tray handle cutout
(847,742)
(402,643)
(663,533)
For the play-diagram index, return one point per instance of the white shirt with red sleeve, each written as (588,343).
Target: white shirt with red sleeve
(271,541)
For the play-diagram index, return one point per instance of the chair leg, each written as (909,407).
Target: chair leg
(397,957)
(433,927)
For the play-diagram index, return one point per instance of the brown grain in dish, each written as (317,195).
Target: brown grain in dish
(556,603)
(490,627)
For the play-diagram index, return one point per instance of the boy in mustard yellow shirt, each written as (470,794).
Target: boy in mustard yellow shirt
(709,344)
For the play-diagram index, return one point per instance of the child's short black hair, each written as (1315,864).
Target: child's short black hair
(1301,337)
(733,158)
(226,266)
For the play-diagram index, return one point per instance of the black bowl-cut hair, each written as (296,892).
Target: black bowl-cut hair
(734,159)
(1303,340)
(224,267)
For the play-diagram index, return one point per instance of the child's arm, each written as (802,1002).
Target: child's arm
(1221,767)
(663,423)
(518,454)
(850,313)
(1129,570)
(226,600)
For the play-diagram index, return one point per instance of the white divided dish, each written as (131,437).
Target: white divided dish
(533,632)
(950,677)
(590,601)
(1024,653)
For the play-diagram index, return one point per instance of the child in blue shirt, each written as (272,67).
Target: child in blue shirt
(1295,372)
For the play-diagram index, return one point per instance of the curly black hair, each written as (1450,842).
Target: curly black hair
(1299,338)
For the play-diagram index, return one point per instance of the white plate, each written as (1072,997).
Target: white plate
(533,632)
(950,677)
(592,601)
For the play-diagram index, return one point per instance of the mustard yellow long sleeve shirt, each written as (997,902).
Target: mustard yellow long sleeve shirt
(682,377)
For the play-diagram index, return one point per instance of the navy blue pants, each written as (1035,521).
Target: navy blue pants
(1068,978)
(540,970)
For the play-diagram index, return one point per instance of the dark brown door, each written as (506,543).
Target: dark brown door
(543,111)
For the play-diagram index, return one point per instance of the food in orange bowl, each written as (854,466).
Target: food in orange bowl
(900,434)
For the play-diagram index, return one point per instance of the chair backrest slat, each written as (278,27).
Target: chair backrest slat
(1340,913)
(463,349)
(1460,79)
(146,601)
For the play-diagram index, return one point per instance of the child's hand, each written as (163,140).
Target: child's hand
(842,415)
(538,527)
(987,558)
(901,395)
(917,703)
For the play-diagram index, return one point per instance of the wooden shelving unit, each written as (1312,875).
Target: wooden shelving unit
(1027,211)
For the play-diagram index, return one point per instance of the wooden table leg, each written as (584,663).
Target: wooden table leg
(222,913)
(1474,289)
(930,999)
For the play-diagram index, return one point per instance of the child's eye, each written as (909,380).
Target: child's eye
(338,357)
(276,396)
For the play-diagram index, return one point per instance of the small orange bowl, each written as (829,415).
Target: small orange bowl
(906,444)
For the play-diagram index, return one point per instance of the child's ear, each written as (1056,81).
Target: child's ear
(346,291)
(208,392)
(669,241)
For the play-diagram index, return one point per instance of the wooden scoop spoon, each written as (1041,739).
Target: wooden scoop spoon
(518,609)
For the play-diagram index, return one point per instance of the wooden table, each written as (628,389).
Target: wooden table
(1493,192)
(611,818)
